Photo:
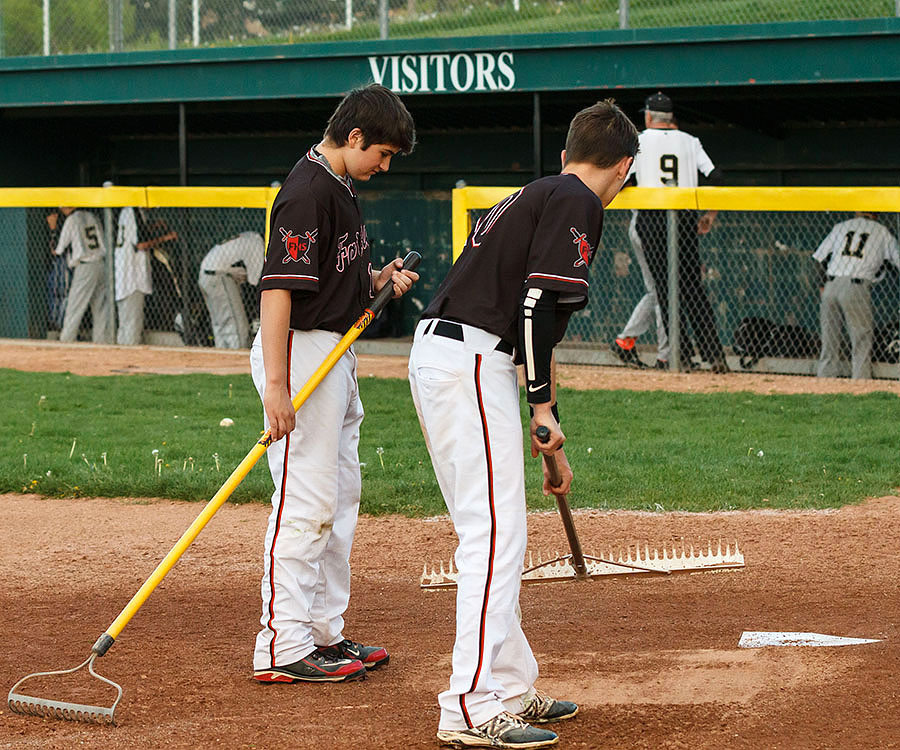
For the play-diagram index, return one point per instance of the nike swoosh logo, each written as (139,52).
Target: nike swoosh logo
(533,390)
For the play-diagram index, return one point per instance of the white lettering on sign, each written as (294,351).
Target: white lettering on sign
(481,71)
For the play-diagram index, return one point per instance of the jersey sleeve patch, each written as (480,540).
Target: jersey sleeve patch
(297,246)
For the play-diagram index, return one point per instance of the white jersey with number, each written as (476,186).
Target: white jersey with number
(132,265)
(84,234)
(669,158)
(858,248)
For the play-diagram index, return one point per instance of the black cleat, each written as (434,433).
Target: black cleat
(371,657)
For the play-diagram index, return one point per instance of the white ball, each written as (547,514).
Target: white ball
(226,422)
(760,454)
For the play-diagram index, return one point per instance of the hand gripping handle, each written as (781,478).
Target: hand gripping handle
(542,433)
(410,263)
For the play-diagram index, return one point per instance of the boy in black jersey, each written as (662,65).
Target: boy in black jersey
(316,282)
(508,299)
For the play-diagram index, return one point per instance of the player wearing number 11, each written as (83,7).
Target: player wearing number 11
(853,256)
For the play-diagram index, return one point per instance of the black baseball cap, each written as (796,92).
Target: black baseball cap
(658,102)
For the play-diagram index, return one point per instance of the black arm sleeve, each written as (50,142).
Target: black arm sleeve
(537,328)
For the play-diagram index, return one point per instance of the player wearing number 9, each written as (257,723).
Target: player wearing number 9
(671,157)
(83,234)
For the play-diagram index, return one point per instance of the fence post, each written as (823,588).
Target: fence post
(348,14)
(173,27)
(116,26)
(46,23)
(195,22)
(623,13)
(383,22)
(1,27)
(110,272)
(674,303)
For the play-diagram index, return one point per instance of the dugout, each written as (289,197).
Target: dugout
(806,103)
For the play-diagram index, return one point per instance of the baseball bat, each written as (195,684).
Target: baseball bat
(105,641)
(542,433)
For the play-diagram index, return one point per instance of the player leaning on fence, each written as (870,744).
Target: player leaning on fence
(507,299)
(854,256)
(316,282)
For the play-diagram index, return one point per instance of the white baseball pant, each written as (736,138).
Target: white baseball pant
(646,312)
(131,319)
(467,397)
(306,573)
(231,329)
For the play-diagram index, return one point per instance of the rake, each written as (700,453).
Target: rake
(27,704)
(576,565)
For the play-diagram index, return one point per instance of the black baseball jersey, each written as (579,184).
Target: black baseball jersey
(543,236)
(318,248)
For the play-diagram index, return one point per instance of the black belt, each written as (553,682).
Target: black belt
(852,281)
(450,330)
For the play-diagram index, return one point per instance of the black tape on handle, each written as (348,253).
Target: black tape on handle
(410,263)
(542,433)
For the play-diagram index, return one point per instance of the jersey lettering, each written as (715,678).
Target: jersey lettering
(668,165)
(486,222)
(855,252)
(350,251)
(90,236)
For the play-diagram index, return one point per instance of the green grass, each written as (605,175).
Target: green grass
(638,450)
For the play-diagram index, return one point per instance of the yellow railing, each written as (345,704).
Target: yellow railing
(142,197)
(705,199)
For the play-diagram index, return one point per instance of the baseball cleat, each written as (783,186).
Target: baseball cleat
(371,657)
(504,730)
(625,350)
(316,667)
(539,708)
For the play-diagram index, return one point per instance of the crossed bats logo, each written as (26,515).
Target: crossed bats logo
(584,248)
(297,246)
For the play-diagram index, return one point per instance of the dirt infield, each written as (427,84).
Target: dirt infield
(654,662)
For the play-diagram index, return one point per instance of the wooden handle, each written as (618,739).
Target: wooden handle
(542,433)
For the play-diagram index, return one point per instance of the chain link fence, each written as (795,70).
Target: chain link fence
(745,289)
(748,291)
(49,27)
(167,276)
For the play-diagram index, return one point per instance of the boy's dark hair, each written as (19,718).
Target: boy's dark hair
(601,135)
(378,113)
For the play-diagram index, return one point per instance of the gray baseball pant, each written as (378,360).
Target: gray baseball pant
(88,288)
(843,299)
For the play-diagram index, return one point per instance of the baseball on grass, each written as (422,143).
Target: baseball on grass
(226,422)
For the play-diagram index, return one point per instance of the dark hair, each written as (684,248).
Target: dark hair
(378,113)
(601,135)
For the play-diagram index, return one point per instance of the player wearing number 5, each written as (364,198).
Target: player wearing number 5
(671,157)
(853,255)
(83,233)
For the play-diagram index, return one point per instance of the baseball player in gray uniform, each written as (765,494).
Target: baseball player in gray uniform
(508,298)
(224,268)
(83,233)
(853,254)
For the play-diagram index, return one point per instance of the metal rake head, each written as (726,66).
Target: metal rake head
(637,559)
(30,705)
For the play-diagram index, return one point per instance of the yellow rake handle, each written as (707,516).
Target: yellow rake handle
(105,641)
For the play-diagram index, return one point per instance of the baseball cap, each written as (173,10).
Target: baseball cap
(658,102)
